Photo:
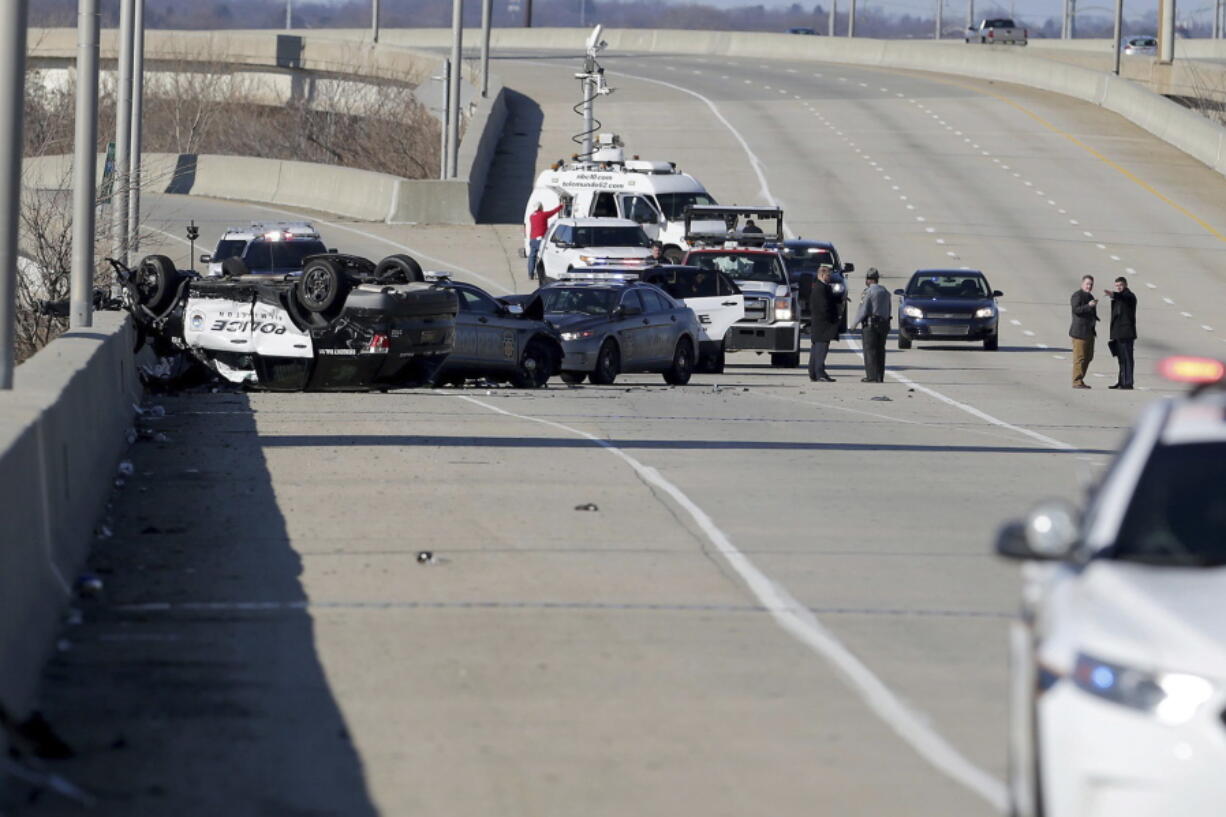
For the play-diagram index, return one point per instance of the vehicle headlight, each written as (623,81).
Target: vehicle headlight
(580,335)
(985,312)
(1172,697)
(837,288)
(783,308)
(913,312)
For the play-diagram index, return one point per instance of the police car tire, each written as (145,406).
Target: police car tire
(399,269)
(683,364)
(714,362)
(991,343)
(158,281)
(608,365)
(534,366)
(904,343)
(785,360)
(321,285)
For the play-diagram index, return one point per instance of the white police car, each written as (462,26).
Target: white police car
(1119,704)
(583,243)
(271,248)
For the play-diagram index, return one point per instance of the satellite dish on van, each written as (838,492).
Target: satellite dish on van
(594,43)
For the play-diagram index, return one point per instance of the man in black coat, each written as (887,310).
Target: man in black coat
(1123,330)
(1082,331)
(823,323)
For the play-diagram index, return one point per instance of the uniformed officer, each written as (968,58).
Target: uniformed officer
(874,316)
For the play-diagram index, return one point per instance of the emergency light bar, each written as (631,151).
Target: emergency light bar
(588,275)
(1197,370)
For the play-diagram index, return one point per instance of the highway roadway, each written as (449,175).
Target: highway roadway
(785,601)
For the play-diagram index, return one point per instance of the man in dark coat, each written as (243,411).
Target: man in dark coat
(1082,331)
(823,323)
(1123,330)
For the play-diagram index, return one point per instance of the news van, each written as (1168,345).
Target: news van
(653,194)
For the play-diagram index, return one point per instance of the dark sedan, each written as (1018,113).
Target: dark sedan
(610,326)
(497,341)
(945,305)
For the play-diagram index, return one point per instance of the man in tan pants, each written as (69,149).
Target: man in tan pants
(1082,331)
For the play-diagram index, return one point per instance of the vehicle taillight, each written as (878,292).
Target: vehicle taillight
(1182,369)
(378,344)
(991,33)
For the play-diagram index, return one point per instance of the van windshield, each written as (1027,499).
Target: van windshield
(673,204)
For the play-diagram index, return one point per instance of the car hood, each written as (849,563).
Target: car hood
(1166,618)
(570,322)
(768,287)
(946,304)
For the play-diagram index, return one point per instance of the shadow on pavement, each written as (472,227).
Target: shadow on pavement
(218,712)
(513,170)
(341,441)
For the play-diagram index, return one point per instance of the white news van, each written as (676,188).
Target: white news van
(650,193)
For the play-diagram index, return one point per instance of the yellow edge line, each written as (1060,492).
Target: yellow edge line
(1128,174)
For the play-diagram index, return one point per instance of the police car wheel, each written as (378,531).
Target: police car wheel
(320,287)
(608,365)
(683,364)
(157,281)
(399,269)
(990,343)
(785,360)
(534,367)
(903,342)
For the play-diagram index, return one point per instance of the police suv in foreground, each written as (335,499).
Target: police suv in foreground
(1119,704)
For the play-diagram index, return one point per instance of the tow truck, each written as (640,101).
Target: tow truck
(749,255)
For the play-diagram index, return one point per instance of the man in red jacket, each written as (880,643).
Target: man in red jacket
(538,224)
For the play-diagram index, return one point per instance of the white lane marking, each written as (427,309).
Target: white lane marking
(1186,314)
(1115,258)
(754,161)
(1169,301)
(1151,286)
(930,229)
(1028,333)
(1042,345)
(180,239)
(1015,322)
(412,250)
(805,626)
(1130,270)
(1206,327)
(1050,442)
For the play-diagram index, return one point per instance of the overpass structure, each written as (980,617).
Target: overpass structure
(783,600)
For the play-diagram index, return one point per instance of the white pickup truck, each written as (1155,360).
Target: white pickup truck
(997,30)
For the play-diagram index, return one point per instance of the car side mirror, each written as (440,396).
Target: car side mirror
(1049,532)
(513,309)
(996,293)
(899,292)
(205,258)
(849,267)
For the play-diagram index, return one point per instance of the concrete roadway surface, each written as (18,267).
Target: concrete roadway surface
(785,602)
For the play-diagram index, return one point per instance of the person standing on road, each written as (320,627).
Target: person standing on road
(823,323)
(874,318)
(1082,331)
(1123,330)
(538,225)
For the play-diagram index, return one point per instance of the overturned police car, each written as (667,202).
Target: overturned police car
(344,324)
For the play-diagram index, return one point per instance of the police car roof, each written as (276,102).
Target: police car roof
(1200,418)
(806,243)
(962,272)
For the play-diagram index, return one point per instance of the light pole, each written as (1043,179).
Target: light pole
(1119,31)
(940,19)
(123,130)
(134,152)
(851,19)
(13,20)
(445,98)
(374,20)
(834,10)
(289,14)
(1166,31)
(84,168)
(970,14)
(453,103)
(487,17)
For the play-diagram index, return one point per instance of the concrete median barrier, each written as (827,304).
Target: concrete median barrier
(62,432)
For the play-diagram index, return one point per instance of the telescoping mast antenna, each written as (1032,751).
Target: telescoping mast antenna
(592,84)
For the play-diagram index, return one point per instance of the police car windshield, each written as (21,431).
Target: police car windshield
(758,266)
(948,286)
(228,249)
(673,204)
(610,237)
(281,255)
(1178,512)
(579,300)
